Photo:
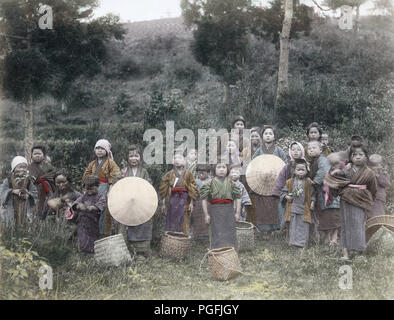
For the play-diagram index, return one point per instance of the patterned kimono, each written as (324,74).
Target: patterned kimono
(284,175)
(108,173)
(88,221)
(378,206)
(264,210)
(44,180)
(200,228)
(140,236)
(16,211)
(221,193)
(178,197)
(358,191)
(298,212)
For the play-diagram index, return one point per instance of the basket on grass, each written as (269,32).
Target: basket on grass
(245,235)
(381,243)
(112,250)
(224,263)
(175,245)
(373,224)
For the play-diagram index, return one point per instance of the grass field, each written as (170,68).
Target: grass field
(272,271)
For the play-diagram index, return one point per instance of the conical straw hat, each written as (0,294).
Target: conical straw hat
(262,173)
(132,201)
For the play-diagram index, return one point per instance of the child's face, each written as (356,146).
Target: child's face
(20,169)
(192,155)
(300,171)
(179,160)
(231,147)
(313,134)
(324,139)
(239,125)
(359,157)
(221,170)
(100,152)
(37,156)
(268,136)
(314,149)
(134,159)
(235,174)
(296,151)
(202,175)
(92,190)
(255,138)
(61,183)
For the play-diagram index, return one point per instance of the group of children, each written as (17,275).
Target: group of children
(318,192)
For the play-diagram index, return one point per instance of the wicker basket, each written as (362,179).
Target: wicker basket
(224,263)
(112,250)
(381,243)
(373,224)
(175,245)
(245,235)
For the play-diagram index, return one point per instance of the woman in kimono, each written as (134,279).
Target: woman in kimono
(43,174)
(296,151)
(108,172)
(313,133)
(138,236)
(357,187)
(237,132)
(299,195)
(221,193)
(18,195)
(267,206)
(88,208)
(178,191)
(61,201)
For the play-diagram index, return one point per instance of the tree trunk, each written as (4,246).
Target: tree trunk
(356,27)
(283,85)
(226,96)
(28,126)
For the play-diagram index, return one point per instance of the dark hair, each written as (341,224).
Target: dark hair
(356,137)
(314,125)
(63,172)
(239,118)
(40,147)
(91,181)
(220,162)
(203,167)
(265,127)
(357,145)
(299,161)
(136,148)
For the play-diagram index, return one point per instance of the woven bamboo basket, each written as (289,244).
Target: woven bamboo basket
(175,245)
(224,263)
(112,250)
(381,243)
(373,224)
(245,235)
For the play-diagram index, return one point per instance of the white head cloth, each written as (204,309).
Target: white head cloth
(17,160)
(103,143)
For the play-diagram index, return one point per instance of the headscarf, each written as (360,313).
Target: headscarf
(103,143)
(301,147)
(17,160)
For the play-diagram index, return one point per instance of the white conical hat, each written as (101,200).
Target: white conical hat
(132,201)
(262,173)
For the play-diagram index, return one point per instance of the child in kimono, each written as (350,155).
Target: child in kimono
(221,193)
(178,189)
(200,228)
(237,132)
(43,174)
(326,147)
(383,180)
(300,201)
(88,208)
(108,172)
(296,151)
(139,237)
(235,174)
(314,133)
(18,195)
(267,206)
(357,187)
(231,154)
